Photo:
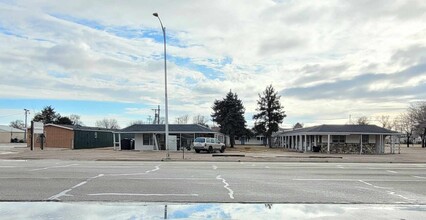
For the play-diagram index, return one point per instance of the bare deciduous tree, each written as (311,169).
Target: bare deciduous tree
(75,119)
(417,112)
(137,122)
(200,119)
(362,120)
(182,119)
(110,123)
(408,126)
(19,124)
(396,124)
(384,121)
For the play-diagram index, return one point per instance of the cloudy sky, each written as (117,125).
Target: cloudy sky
(328,59)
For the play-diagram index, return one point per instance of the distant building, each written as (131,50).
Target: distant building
(366,139)
(152,136)
(8,133)
(74,137)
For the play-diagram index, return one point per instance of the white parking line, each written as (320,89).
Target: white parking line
(135,174)
(165,178)
(138,194)
(45,168)
(356,180)
(325,180)
(13,160)
(419,177)
(226,186)
(370,184)
(64,193)
(391,171)
(388,191)
(7,152)
(214,167)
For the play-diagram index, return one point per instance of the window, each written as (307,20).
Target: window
(339,139)
(365,138)
(96,135)
(200,140)
(147,140)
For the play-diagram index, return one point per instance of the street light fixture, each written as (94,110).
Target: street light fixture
(165,86)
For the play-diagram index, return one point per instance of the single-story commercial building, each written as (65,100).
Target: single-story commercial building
(74,137)
(361,139)
(152,136)
(8,133)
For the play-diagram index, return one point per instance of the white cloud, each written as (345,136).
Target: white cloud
(68,50)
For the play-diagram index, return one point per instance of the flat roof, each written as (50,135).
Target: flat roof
(341,129)
(80,128)
(5,128)
(160,128)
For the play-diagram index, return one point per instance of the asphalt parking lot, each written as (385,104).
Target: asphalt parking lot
(224,182)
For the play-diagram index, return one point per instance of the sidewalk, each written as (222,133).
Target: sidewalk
(240,153)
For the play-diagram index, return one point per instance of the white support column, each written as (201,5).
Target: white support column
(306,143)
(328,143)
(315,140)
(360,144)
(301,143)
(294,142)
(113,141)
(119,141)
(286,142)
(180,141)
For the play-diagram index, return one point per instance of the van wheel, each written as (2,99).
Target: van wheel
(211,149)
(222,149)
(197,151)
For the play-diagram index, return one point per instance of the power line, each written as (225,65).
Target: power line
(3,116)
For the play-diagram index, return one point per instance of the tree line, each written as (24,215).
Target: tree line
(411,123)
(48,115)
(228,113)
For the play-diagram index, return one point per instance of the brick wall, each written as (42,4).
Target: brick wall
(58,137)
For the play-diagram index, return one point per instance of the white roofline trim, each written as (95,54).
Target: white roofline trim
(336,133)
(59,126)
(162,132)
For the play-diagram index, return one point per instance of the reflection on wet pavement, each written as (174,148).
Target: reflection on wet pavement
(57,210)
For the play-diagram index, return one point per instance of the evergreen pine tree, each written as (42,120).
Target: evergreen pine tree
(229,115)
(270,114)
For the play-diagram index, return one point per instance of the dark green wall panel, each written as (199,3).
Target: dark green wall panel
(92,139)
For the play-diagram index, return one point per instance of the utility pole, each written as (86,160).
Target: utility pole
(32,135)
(156,115)
(158,110)
(25,131)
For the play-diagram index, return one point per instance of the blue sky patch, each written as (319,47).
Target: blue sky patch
(85,22)
(207,71)
(67,107)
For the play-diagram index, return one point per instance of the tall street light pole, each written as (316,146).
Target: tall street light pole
(25,131)
(165,86)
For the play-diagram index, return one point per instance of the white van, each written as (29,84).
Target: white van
(208,144)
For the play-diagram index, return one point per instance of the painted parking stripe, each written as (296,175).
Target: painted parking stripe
(138,194)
